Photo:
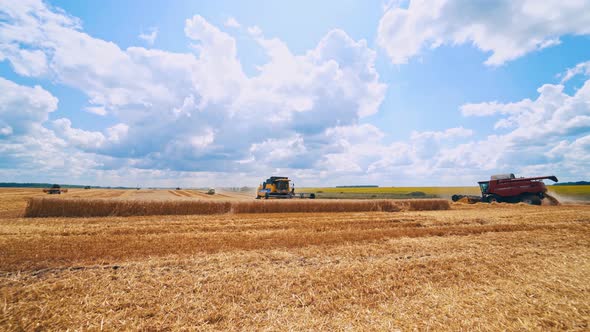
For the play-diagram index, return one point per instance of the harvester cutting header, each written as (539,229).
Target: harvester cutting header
(510,189)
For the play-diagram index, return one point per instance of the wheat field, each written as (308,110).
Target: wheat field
(59,207)
(471,267)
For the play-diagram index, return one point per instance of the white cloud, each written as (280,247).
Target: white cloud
(254,31)
(88,140)
(117,132)
(98,110)
(548,133)
(26,146)
(441,135)
(356,133)
(149,38)
(199,111)
(580,69)
(6,130)
(22,108)
(25,62)
(552,115)
(203,140)
(508,29)
(186,115)
(231,22)
(278,151)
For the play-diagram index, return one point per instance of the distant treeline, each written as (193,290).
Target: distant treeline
(47,185)
(579,183)
(365,186)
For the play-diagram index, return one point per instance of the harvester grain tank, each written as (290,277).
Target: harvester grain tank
(510,189)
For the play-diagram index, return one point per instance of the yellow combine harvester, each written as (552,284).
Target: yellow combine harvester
(279,187)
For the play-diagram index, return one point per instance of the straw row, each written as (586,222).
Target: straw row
(57,207)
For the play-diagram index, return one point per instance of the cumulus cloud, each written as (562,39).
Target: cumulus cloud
(191,115)
(23,108)
(199,111)
(508,29)
(549,132)
(552,115)
(88,140)
(26,146)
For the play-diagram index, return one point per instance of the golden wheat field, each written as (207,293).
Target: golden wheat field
(468,267)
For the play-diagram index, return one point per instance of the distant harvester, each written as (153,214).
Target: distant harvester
(55,190)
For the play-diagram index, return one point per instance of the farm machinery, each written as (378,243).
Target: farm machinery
(510,189)
(55,189)
(279,187)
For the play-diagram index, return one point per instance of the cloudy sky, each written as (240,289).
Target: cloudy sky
(226,93)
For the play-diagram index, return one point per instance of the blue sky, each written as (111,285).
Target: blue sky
(441,92)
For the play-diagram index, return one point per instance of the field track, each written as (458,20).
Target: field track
(473,267)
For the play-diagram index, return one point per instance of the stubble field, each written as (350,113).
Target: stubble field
(490,267)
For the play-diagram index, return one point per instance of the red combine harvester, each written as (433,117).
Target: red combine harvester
(510,189)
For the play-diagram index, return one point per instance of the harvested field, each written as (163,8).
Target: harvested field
(472,267)
(55,207)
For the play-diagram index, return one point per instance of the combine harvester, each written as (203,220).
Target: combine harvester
(55,190)
(510,189)
(279,187)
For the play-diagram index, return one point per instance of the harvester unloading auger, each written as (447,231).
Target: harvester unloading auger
(510,189)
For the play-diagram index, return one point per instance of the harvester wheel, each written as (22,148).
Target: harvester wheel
(492,199)
(266,196)
(531,199)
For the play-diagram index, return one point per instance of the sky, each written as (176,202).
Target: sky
(228,93)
